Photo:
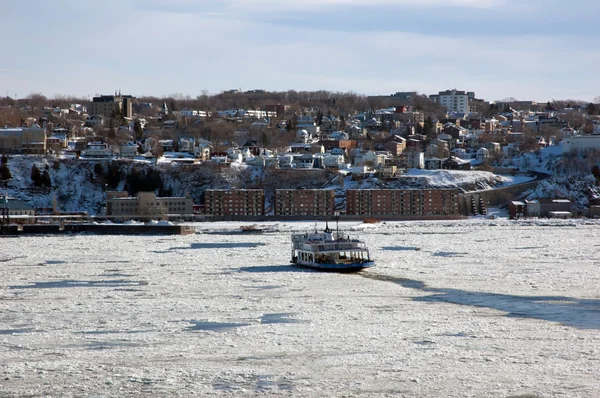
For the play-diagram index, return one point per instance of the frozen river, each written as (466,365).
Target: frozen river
(453,309)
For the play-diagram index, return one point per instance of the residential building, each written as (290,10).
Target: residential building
(128,150)
(415,160)
(304,202)
(482,154)
(532,208)
(108,105)
(192,113)
(404,95)
(234,202)
(29,140)
(433,163)
(333,161)
(516,209)
(278,109)
(395,145)
(387,171)
(307,122)
(345,145)
(120,206)
(454,100)
(94,120)
(33,140)
(402,202)
(17,211)
(455,163)
(548,207)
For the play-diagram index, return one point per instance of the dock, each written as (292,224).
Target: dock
(97,229)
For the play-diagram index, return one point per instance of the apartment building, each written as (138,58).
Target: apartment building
(236,202)
(304,202)
(146,205)
(108,105)
(454,100)
(402,202)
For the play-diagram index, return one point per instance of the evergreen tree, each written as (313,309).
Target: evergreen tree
(591,109)
(137,129)
(264,139)
(45,180)
(596,174)
(5,173)
(36,176)
(418,129)
(428,128)
(319,118)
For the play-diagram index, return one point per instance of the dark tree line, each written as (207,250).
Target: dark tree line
(5,173)
(41,179)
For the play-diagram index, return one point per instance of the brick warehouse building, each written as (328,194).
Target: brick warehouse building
(304,202)
(235,202)
(402,202)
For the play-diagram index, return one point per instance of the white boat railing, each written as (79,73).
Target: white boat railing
(334,246)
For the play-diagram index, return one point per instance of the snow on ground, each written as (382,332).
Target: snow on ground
(460,177)
(455,309)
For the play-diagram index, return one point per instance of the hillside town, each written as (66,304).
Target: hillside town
(295,155)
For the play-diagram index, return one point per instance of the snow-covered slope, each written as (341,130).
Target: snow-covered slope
(80,185)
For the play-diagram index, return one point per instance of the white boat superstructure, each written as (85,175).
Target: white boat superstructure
(330,251)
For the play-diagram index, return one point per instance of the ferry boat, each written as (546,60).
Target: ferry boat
(330,251)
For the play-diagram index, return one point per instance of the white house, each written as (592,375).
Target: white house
(415,160)
(186,145)
(460,153)
(482,154)
(335,161)
(94,120)
(96,150)
(128,150)
(303,136)
(305,122)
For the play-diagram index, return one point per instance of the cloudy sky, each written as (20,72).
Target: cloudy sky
(531,50)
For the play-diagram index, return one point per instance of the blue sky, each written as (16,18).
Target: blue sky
(531,50)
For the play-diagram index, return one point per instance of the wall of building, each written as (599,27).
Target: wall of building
(240,202)
(146,205)
(403,202)
(294,202)
(23,140)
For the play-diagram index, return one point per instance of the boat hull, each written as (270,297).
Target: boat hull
(330,267)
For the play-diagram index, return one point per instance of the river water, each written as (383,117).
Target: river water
(456,309)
